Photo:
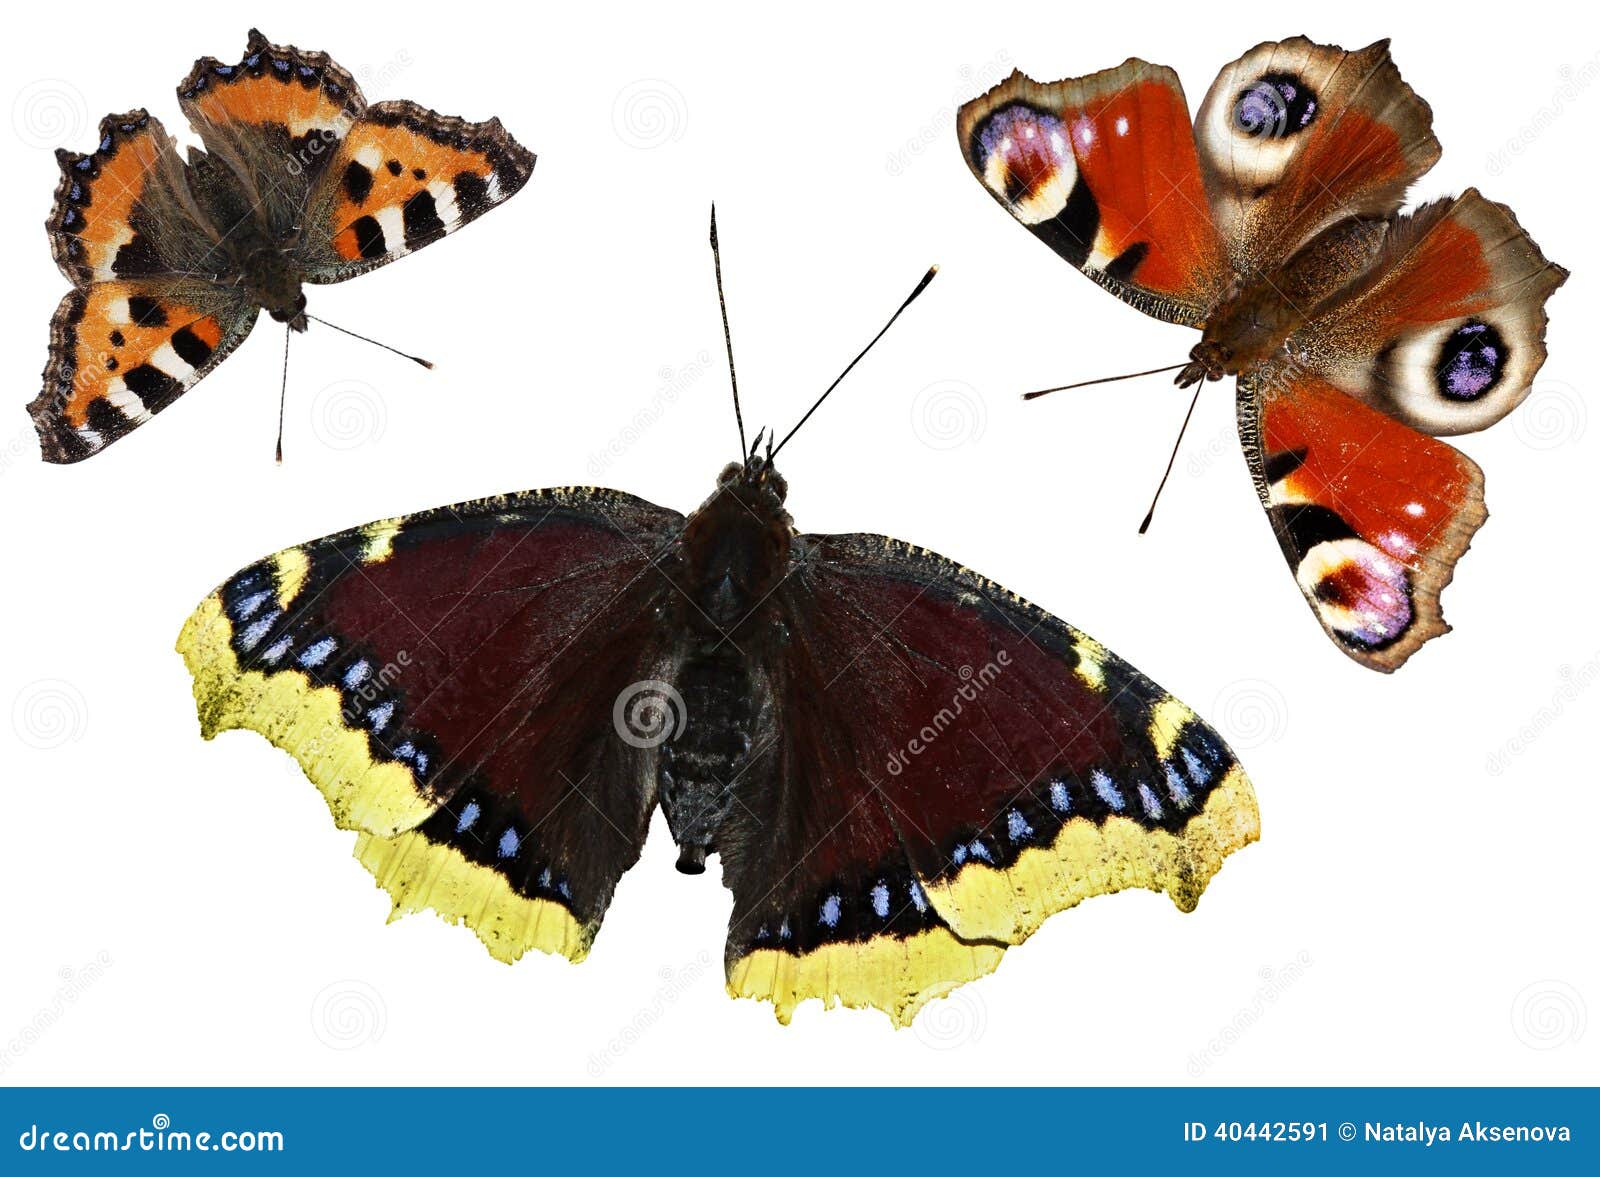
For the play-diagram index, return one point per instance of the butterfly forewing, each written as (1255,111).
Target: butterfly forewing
(447,680)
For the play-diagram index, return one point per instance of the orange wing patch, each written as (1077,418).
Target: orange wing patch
(92,230)
(1104,170)
(306,92)
(119,354)
(1371,514)
(406,176)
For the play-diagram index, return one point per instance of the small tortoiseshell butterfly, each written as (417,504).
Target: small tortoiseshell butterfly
(171,259)
(1356,331)
(903,767)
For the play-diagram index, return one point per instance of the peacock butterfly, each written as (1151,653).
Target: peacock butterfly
(903,767)
(1358,334)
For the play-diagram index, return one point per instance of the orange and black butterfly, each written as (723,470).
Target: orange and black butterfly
(1358,333)
(171,259)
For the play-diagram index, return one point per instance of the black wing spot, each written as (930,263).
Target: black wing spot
(357,183)
(369,237)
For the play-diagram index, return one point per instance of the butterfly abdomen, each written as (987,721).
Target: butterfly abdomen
(697,770)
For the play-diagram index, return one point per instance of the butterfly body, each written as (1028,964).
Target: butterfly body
(901,767)
(172,258)
(1358,333)
(736,550)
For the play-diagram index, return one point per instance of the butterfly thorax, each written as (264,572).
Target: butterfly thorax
(735,553)
(248,248)
(272,284)
(1261,312)
(736,546)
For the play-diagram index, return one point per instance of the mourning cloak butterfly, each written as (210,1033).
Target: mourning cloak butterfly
(903,767)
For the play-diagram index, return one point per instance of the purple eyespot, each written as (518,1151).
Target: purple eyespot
(1471,361)
(1274,106)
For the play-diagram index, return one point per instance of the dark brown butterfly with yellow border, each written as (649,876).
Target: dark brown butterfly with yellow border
(903,767)
(1359,334)
(171,259)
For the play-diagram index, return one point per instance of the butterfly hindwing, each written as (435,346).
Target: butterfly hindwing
(959,766)
(1296,136)
(1103,170)
(403,178)
(120,352)
(446,680)
(1445,331)
(1371,515)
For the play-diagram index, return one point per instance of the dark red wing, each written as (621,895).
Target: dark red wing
(447,680)
(956,766)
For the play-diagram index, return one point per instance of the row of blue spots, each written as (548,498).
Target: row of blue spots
(880,899)
(918,899)
(1176,789)
(1198,772)
(470,813)
(1152,804)
(378,718)
(1106,787)
(358,672)
(317,653)
(245,607)
(546,880)
(1017,827)
(1060,799)
(829,916)
(784,931)
(416,757)
(975,849)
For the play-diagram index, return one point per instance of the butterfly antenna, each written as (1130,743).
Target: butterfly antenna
(910,298)
(1028,396)
(727,336)
(283,391)
(374,342)
(1150,514)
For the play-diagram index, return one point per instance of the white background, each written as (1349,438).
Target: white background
(1420,908)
